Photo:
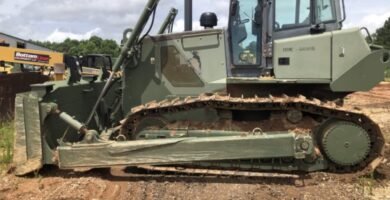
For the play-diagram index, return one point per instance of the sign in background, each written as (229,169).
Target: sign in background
(30,57)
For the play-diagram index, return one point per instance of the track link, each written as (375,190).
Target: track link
(327,109)
(214,172)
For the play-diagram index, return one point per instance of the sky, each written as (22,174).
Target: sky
(56,20)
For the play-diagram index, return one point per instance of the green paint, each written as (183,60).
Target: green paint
(309,57)
(346,143)
(182,150)
(363,76)
(168,66)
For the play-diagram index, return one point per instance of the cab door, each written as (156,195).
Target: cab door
(246,37)
(302,39)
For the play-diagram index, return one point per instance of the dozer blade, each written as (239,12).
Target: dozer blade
(27,144)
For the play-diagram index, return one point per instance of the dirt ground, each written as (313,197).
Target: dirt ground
(52,183)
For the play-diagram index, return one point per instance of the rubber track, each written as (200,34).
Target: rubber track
(314,106)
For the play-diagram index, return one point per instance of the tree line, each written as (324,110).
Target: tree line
(382,35)
(94,45)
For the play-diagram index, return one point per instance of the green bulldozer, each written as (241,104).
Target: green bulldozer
(263,95)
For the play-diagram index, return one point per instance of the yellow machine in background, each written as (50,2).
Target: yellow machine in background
(5,68)
(43,61)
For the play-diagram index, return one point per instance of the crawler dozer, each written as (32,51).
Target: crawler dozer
(263,95)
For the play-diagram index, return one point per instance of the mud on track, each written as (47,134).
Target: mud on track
(52,183)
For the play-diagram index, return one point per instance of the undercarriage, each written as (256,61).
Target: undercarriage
(216,134)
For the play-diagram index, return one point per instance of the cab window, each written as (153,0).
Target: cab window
(245,32)
(292,14)
(325,11)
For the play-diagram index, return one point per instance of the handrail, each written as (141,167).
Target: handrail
(344,12)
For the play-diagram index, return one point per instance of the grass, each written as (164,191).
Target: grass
(6,144)
(387,75)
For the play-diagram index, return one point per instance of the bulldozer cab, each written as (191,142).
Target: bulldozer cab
(255,24)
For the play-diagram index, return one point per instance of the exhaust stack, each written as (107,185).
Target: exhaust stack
(188,15)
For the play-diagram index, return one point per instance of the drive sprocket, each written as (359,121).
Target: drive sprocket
(345,143)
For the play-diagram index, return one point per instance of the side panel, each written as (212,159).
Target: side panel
(349,47)
(363,76)
(177,65)
(355,66)
(304,57)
